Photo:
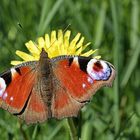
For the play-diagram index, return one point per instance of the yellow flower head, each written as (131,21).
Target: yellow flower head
(55,46)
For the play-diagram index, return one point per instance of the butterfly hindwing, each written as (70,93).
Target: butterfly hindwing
(63,104)
(36,110)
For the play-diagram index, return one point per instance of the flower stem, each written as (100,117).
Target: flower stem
(72,129)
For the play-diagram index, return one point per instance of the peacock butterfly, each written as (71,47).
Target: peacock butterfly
(52,88)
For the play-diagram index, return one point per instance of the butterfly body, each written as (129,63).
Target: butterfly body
(52,88)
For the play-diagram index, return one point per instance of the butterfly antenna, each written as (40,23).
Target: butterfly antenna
(54,40)
(62,32)
(22,29)
(20,25)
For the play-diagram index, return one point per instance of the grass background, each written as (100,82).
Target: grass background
(114,28)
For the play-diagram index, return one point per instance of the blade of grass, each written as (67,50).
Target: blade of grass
(134,42)
(34,132)
(124,126)
(23,131)
(100,25)
(78,18)
(134,23)
(72,129)
(116,63)
(55,131)
(50,16)
(132,64)
(86,133)
(44,12)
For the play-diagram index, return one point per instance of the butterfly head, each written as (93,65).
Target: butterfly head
(43,53)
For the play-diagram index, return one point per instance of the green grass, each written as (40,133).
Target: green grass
(114,28)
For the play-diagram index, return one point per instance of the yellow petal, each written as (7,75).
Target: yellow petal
(97,57)
(41,43)
(80,43)
(53,37)
(74,41)
(25,56)
(53,50)
(14,62)
(88,53)
(60,37)
(63,51)
(66,38)
(95,50)
(50,55)
(78,52)
(32,48)
(47,41)
(85,46)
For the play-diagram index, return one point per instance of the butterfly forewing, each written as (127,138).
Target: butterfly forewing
(16,85)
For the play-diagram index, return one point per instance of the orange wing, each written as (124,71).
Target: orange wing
(63,104)
(18,84)
(18,94)
(76,85)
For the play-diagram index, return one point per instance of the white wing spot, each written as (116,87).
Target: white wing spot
(13,71)
(83,85)
(11,98)
(75,60)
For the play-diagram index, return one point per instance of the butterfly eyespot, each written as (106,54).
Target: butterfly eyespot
(98,69)
(2,86)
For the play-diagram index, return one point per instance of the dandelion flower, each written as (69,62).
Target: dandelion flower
(55,45)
